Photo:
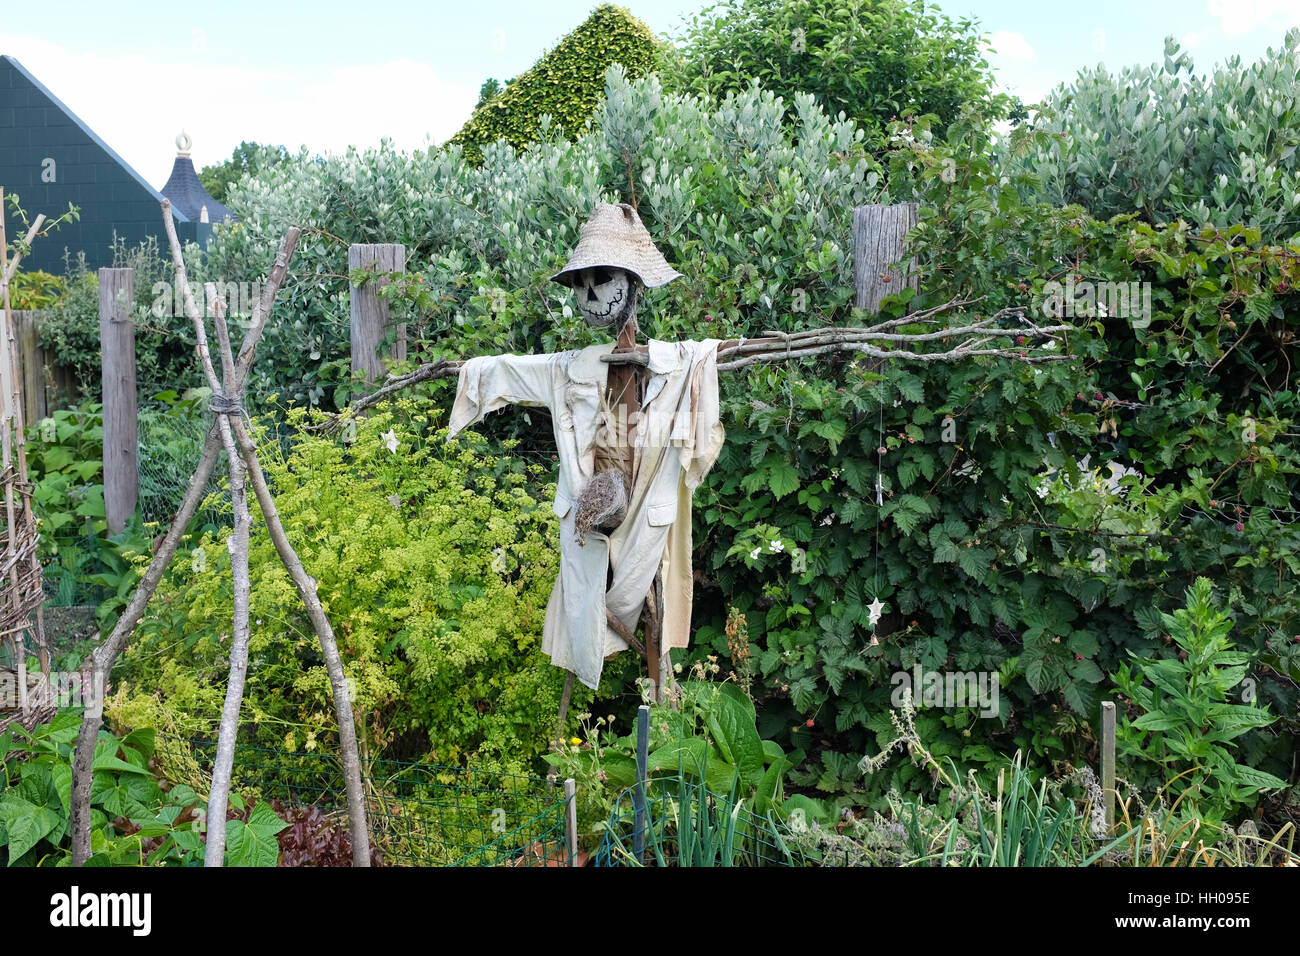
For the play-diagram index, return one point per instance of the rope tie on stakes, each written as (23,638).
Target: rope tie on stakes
(225,405)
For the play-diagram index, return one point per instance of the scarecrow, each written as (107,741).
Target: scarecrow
(637,428)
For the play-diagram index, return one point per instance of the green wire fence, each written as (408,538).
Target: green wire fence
(418,814)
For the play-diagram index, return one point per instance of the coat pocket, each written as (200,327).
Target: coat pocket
(562,505)
(661,513)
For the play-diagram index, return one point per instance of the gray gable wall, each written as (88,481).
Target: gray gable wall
(113,197)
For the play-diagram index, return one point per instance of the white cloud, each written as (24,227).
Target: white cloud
(1011,46)
(1238,17)
(1190,41)
(128,101)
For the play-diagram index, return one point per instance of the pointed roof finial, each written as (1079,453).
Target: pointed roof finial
(183,143)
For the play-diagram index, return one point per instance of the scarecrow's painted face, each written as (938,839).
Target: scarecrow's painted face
(605,295)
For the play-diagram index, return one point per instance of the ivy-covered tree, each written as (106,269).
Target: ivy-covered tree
(874,60)
(566,84)
(490,88)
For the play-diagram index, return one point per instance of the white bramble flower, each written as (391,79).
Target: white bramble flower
(390,440)
(774,546)
(753,555)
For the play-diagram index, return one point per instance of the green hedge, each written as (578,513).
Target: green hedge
(566,84)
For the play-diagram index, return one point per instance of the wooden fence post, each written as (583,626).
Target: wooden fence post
(31,365)
(878,233)
(571,821)
(370,318)
(121,437)
(1108,763)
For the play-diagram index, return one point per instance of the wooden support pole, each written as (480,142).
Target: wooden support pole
(121,435)
(1108,763)
(571,819)
(370,314)
(101,660)
(18,515)
(340,690)
(878,248)
(565,697)
(31,366)
(642,772)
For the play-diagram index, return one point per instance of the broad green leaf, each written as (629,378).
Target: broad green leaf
(26,823)
(254,843)
(1255,779)
(782,478)
(1158,722)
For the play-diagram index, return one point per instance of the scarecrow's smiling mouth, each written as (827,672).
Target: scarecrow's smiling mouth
(591,298)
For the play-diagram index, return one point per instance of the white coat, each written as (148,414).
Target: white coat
(678,437)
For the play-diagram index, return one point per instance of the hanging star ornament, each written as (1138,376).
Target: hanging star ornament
(874,610)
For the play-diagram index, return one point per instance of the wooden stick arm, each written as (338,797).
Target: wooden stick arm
(639,357)
(878,341)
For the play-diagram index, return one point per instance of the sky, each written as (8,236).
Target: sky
(327,74)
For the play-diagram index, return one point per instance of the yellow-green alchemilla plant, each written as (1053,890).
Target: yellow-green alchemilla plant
(433,562)
(1187,718)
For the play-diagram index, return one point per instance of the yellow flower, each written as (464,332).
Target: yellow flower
(575,741)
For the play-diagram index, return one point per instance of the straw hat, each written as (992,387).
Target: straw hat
(615,237)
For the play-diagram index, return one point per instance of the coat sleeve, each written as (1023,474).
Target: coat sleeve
(489,382)
(706,432)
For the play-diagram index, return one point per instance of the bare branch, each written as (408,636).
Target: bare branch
(809,343)
(442,368)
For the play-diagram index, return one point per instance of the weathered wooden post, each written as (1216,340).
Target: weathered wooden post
(878,249)
(31,366)
(1108,763)
(571,821)
(642,774)
(121,435)
(370,315)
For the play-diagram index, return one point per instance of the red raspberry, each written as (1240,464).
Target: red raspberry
(810,721)
(1240,526)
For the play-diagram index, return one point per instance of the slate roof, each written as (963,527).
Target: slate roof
(188,195)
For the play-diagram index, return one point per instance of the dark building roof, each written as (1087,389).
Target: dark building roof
(187,193)
(50,158)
